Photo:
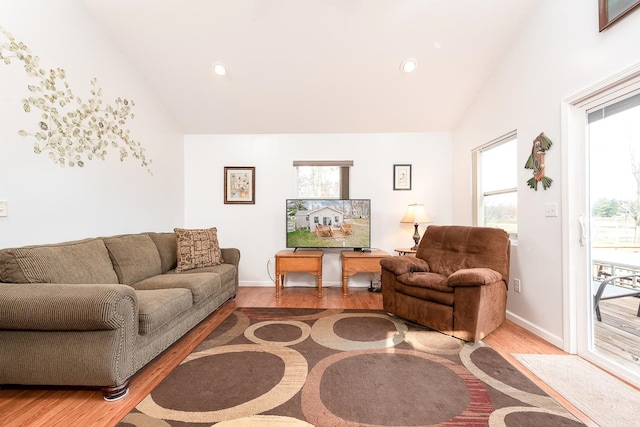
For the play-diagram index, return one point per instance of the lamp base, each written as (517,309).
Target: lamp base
(416,237)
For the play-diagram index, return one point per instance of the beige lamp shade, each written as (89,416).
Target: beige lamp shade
(415,214)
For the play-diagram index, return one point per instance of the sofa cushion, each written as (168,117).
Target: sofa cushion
(197,248)
(167,248)
(134,256)
(82,261)
(201,285)
(426,294)
(157,307)
(434,281)
(227,272)
(426,286)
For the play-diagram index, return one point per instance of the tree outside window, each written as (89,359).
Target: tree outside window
(322,179)
(496,184)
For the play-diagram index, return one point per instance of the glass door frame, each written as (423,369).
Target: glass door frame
(577,304)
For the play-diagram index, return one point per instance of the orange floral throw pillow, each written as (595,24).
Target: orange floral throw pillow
(197,248)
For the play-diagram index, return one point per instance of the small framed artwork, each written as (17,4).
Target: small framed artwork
(402,177)
(610,11)
(240,185)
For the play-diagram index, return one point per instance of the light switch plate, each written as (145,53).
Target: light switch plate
(3,208)
(551,209)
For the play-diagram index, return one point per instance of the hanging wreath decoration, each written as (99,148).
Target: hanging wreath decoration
(69,129)
(536,162)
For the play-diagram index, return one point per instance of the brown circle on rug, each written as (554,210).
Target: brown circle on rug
(279,332)
(324,332)
(383,390)
(220,381)
(364,328)
(386,380)
(503,371)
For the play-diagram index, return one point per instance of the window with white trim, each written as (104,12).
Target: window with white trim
(327,179)
(496,184)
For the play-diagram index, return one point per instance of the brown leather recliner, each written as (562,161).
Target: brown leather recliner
(457,282)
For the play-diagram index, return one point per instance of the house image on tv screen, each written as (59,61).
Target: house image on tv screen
(328,223)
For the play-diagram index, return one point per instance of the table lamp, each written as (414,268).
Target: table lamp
(415,215)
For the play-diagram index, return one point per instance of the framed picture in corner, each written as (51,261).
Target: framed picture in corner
(611,11)
(240,185)
(402,177)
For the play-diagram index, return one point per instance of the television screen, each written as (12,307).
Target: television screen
(328,223)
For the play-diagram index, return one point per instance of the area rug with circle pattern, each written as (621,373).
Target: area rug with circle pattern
(302,367)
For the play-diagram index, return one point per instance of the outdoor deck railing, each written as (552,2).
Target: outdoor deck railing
(604,269)
(623,279)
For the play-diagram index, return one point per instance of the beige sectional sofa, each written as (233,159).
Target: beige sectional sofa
(94,312)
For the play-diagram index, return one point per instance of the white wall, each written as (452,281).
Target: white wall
(259,230)
(559,53)
(48,203)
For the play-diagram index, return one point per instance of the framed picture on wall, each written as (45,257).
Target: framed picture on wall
(402,177)
(610,11)
(240,185)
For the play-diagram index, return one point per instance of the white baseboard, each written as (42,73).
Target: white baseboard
(542,333)
(261,284)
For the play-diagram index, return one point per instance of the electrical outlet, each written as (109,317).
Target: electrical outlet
(517,286)
(3,208)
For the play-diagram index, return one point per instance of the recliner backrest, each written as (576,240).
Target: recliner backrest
(448,248)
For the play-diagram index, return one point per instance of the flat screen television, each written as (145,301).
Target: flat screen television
(329,223)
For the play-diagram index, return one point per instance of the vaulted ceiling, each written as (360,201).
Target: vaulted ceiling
(313,66)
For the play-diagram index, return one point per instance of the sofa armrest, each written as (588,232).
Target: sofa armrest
(404,264)
(231,256)
(67,307)
(474,277)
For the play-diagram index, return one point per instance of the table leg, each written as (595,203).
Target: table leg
(345,282)
(278,281)
(319,284)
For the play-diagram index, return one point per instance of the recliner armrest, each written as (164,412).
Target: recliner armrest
(404,264)
(474,277)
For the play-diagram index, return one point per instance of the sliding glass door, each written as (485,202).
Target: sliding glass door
(612,231)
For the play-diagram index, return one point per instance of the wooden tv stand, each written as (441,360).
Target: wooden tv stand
(359,262)
(298,261)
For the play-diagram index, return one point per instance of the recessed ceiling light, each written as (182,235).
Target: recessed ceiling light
(219,68)
(408,65)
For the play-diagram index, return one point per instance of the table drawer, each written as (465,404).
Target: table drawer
(298,264)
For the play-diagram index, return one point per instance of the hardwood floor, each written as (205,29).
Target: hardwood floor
(72,407)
